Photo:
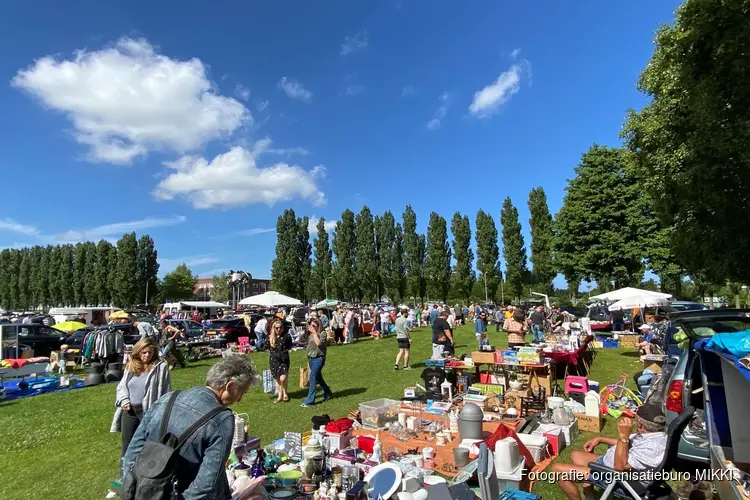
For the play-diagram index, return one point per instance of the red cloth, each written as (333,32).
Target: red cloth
(571,357)
(340,425)
(503,432)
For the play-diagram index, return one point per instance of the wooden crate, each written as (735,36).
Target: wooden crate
(629,340)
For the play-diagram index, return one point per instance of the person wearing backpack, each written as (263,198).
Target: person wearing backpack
(182,445)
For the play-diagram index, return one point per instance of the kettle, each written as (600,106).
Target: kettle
(560,417)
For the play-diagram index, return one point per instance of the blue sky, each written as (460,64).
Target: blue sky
(200,123)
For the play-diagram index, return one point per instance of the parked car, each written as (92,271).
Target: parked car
(229,329)
(42,339)
(131,335)
(685,387)
(141,315)
(686,305)
(190,327)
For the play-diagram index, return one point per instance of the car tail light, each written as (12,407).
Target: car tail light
(674,396)
(224,330)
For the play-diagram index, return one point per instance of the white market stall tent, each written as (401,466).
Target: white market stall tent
(638,301)
(270,299)
(626,293)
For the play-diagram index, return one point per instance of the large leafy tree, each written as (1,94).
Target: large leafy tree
(413,255)
(220,288)
(90,283)
(103,269)
(304,258)
(321,271)
(463,276)
(178,284)
(488,253)
(366,265)
(285,267)
(128,290)
(690,141)
(514,250)
(542,234)
(79,274)
(345,250)
(438,264)
(603,222)
(148,268)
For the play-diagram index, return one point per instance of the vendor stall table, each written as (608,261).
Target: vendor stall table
(540,375)
(579,360)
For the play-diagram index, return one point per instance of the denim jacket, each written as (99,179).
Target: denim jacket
(201,468)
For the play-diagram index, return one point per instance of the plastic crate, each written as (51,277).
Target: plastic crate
(514,494)
(611,344)
(375,414)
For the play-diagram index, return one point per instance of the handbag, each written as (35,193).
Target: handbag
(269,384)
(304,377)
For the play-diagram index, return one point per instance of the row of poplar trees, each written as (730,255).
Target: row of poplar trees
(369,257)
(84,274)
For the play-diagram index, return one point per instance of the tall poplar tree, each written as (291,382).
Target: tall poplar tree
(79,274)
(5,279)
(438,264)
(488,253)
(285,267)
(14,271)
(90,293)
(366,265)
(127,270)
(24,280)
(463,277)
(113,288)
(53,276)
(413,256)
(542,236)
(147,268)
(304,259)
(321,271)
(514,251)
(38,290)
(391,270)
(103,294)
(344,248)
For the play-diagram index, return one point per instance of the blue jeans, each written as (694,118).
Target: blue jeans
(260,338)
(385,328)
(537,333)
(316,377)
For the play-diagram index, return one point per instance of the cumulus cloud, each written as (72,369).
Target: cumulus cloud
(440,112)
(234,178)
(312,227)
(127,100)
(294,89)
(488,100)
(353,43)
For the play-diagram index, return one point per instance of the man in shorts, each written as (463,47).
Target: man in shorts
(403,339)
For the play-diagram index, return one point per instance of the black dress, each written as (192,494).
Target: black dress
(279,356)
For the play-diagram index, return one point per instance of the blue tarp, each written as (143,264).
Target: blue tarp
(24,388)
(721,349)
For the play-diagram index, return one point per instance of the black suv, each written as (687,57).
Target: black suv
(41,338)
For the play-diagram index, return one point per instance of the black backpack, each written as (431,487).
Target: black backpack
(153,474)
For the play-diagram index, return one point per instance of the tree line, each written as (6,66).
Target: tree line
(83,274)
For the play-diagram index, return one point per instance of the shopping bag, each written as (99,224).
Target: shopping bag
(269,384)
(304,377)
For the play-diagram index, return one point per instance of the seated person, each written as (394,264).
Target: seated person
(646,347)
(640,451)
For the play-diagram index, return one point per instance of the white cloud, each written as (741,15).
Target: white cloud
(354,89)
(408,90)
(234,178)
(294,89)
(515,53)
(255,230)
(440,112)
(17,227)
(353,43)
(488,100)
(169,264)
(127,100)
(289,151)
(262,106)
(242,92)
(118,229)
(329,225)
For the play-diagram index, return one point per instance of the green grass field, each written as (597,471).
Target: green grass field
(58,446)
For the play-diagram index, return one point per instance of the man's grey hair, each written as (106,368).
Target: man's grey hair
(658,426)
(235,367)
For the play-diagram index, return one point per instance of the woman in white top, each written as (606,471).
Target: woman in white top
(146,379)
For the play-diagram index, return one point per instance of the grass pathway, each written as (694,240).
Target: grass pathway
(58,446)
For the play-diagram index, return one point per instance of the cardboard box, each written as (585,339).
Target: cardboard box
(588,424)
(480,357)
(652,362)
(516,397)
(629,340)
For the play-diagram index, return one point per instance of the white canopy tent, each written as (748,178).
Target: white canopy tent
(626,293)
(270,299)
(327,303)
(638,301)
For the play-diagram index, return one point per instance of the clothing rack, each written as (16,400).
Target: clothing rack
(104,344)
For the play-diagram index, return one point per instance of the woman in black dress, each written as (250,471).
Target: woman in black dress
(279,345)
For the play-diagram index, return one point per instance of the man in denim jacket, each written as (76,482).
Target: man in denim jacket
(201,470)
